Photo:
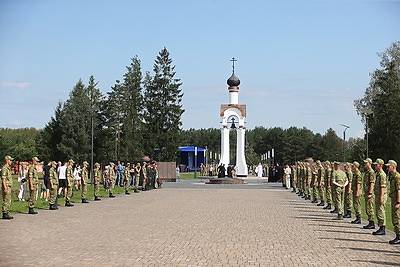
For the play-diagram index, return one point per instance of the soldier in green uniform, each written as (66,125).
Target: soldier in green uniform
(69,175)
(112,180)
(84,178)
(320,183)
(127,178)
(348,198)
(96,181)
(6,185)
(143,176)
(357,190)
(137,176)
(308,181)
(328,189)
(299,179)
(394,178)
(339,182)
(53,181)
(314,174)
(369,183)
(380,196)
(33,181)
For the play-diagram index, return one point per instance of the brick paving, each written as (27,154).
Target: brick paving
(189,223)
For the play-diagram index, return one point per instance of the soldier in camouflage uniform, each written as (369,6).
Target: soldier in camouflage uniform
(143,176)
(348,198)
(137,177)
(127,178)
(380,196)
(356,185)
(70,179)
(53,181)
(112,180)
(339,182)
(369,183)
(6,185)
(84,178)
(394,178)
(314,173)
(96,181)
(33,181)
(328,189)
(320,183)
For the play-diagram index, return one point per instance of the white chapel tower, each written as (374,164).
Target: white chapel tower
(234,114)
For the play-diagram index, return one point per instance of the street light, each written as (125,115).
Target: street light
(344,141)
(366,112)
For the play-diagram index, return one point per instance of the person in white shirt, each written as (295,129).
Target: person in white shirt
(287,171)
(62,179)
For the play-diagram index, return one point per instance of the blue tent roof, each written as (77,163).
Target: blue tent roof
(190,148)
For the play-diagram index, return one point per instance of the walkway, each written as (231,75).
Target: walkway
(189,223)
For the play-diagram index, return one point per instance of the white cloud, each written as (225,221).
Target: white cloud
(19,85)
(15,123)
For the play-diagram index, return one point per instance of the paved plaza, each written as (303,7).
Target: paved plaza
(190,223)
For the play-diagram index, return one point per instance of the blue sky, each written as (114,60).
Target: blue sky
(301,63)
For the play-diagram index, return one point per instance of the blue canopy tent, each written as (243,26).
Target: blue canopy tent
(188,158)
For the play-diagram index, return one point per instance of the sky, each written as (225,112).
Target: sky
(301,63)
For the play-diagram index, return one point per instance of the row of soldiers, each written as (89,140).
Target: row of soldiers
(328,185)
(145,172)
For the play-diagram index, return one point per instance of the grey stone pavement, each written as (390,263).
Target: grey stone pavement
(189,223)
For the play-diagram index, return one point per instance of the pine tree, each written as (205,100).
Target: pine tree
(163,109)
(382,98)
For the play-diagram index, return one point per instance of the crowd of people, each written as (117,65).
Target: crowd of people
(338,187)
(60,179)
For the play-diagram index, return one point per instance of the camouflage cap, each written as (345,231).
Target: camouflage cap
(35,159)
(128,164)
(71,161)
(336,163)
(112,163)
(318,161)
(355,163)
(8,158)
(391,163)
(53,163)
(348,164)
(97,164)
(327,162)
(379,161)
(85,162)
(368,160)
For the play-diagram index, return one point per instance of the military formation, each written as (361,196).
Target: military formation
(338,187)
(145,174)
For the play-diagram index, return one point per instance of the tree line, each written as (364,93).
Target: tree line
(141,115)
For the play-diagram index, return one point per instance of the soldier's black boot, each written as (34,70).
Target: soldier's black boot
(328,207)
(68,204)
(333,211)
(357,220)
(7,216)
(53,207)
(111,195)
(347,214)
(135,191)
(127,193)
(314,200)
(322,203)
(380,231)
(396,240)
(85,201)
(31,211)
(371,225)
(96,198)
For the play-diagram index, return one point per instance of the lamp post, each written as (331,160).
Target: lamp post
(344,141)
(366,112)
